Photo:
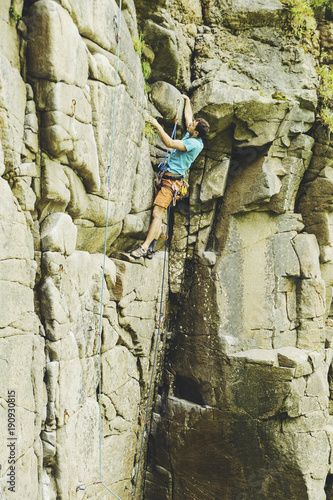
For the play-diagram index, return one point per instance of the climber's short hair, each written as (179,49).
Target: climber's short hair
(202,127)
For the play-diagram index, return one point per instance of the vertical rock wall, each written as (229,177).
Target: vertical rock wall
(58,76)
(244,392)
(247,375)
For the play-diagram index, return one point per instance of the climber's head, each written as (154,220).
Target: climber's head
(198,128)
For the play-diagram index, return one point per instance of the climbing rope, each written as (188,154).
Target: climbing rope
(160,323)
(83,486)
(118,27)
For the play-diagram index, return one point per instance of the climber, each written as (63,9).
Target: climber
(184,152)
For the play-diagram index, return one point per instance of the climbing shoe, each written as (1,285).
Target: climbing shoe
(138,253)
(150,254)
(151,249)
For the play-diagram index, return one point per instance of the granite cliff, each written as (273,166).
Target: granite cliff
(241,405)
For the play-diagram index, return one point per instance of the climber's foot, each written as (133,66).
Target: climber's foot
(139,252)
(150,254)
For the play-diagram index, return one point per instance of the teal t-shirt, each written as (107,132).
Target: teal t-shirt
(180,161)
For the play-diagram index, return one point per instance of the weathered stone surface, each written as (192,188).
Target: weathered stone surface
(244,356)
(312,298)
(55,186)
(295,358)
(120,381)
(50,26)
(287,262)
(143,189)
(307,249)
(63,135)
(12,109)
(9,45)
(214,181)
(238,12)
(163,39)
(92,239)
(167,99)
(127,138)
(58,234)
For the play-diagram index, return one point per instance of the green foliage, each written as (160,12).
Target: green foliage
(279,96)
(326,116)
(326,84)
(149,131)
(302,18)
(322,3)
(138,44)
(147,88)
(325,93)
(323,55)
(14,14)
(146,69)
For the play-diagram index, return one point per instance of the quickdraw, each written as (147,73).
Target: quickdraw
(130,492)
(83,486)
(66,417)
(96,332)
(184,188)
(165,235)
(115,23)
(61,270)
(141,416)
(175,192)
(73,107)
(159,325)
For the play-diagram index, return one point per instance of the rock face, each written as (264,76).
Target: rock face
(243,380)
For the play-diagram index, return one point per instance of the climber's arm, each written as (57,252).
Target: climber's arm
(188,115)
(166,139)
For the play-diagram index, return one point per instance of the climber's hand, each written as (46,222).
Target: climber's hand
(153,121)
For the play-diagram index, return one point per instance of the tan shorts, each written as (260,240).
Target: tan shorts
(164,194)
